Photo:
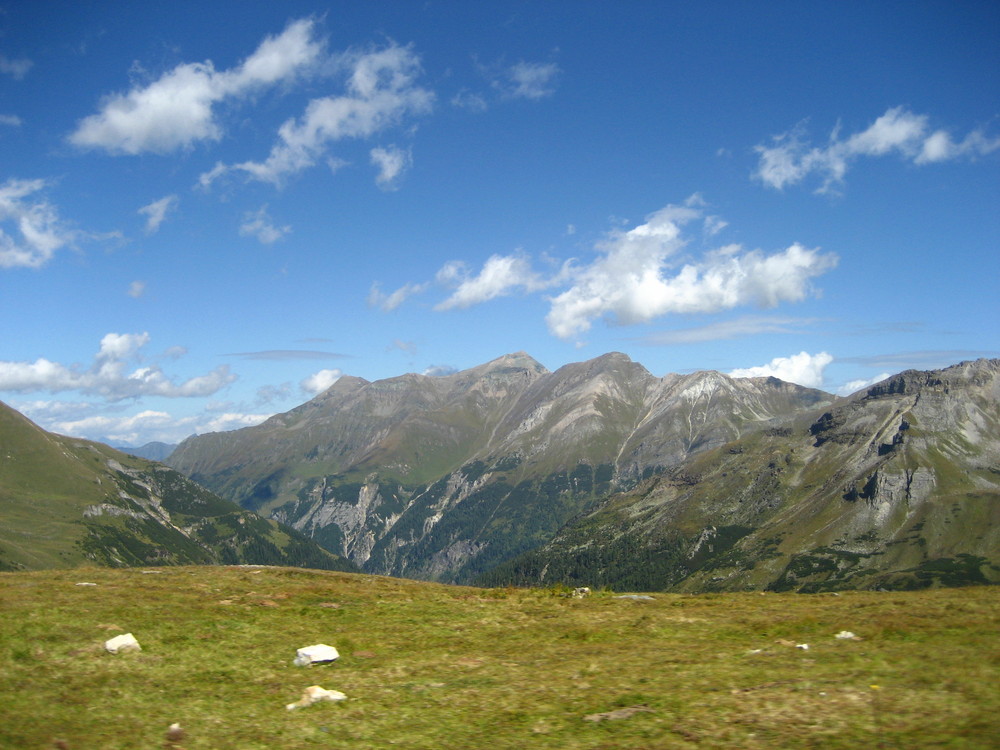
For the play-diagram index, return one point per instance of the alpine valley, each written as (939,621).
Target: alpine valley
(601,474)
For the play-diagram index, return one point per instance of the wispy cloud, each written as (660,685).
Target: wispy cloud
(747,325)
(528,80)
(389,302)
(12,121)
(116,373)
(286,355)
(260,225)
(802,368)
(17,68)
(178,109)
(392,162)
(30,228)
(522,80)
(136,289)
(500,275)
(790,158)
(380,90)
(156,212)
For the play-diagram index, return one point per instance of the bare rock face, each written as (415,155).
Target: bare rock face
(444,477)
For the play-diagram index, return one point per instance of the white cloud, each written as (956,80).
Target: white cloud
(637,276)
(853,386)
(802,368)
(380,90)
(258,224)
(157,211)
(525,80)
(11,120)
(320,381)
(109,375)
(34,231)
(632,281)
(389,302)
(391,163)
(16,69)
(790,158)
(136,289)
(501,275)
(178,109)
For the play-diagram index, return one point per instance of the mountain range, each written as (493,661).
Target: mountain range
(66,502)
(600,473)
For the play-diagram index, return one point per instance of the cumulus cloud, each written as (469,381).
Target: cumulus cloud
(391,163)
(157,211)
(633,280)
(638,275)
(16,69)
(790,158)
(802,368)
(178,109)
(259,224)
(116,373)
(30,229)
(380,90)
(389,302)
(320,381)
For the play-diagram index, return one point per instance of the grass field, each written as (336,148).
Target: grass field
(432,666)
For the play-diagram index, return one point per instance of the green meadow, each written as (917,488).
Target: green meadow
(434,666)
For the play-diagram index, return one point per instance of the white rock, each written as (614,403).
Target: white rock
(85,583)
(846,635)
(315,694)
(121,643)
(803,646)
(312,654)
(581,592)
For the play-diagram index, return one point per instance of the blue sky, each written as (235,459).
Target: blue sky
(210,211)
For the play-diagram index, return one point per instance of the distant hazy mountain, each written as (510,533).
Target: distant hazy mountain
(66,502)
(446,477)
(154,451)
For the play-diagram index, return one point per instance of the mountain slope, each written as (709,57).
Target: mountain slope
(896,487)
(66,502)
(444,478)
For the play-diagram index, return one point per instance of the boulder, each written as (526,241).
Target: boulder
(312,654)
(122,643)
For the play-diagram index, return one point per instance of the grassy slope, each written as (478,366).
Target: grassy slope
(431,666)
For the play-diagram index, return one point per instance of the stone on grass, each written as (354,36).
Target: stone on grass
(846,635)
(312,654)
(582,591)
(122,643)
(315,694)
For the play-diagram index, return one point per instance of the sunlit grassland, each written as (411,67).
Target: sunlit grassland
(433,666)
